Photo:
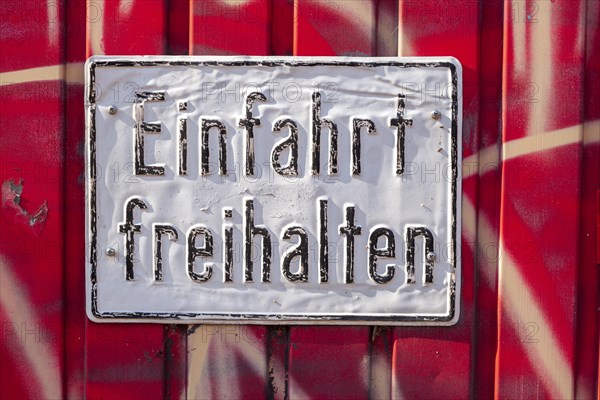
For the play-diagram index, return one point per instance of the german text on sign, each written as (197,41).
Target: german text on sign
(273,190)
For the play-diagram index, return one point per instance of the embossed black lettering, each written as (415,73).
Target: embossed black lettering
(250,230)
(159,231)
(357,125)
(410,235)
(349,230)
(182,125)
(129,228)
(290,142)
(249,123)
(388,251)
(141,128)
(206,126)
(317,124)
(323,244)
(300,251)
(206,250)
(228,248)
(401,123)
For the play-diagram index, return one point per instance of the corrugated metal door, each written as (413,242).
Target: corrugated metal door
(531,145)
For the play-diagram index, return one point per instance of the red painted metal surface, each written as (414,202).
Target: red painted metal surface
(539,245)
(32,251)
(531,151)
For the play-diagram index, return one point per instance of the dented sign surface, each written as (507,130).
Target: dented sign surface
(273,190)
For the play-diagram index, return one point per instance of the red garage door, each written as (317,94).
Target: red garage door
(531,145)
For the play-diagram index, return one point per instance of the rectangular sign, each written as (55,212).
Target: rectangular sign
(273,190)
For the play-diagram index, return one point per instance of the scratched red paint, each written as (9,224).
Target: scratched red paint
(529,325)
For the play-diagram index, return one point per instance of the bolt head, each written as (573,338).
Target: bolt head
(112,110)
(110,252)
(435,114)
(431,256)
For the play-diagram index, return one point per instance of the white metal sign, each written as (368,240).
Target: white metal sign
(273,190)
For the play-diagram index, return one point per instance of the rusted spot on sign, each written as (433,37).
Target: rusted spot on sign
(11,198)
